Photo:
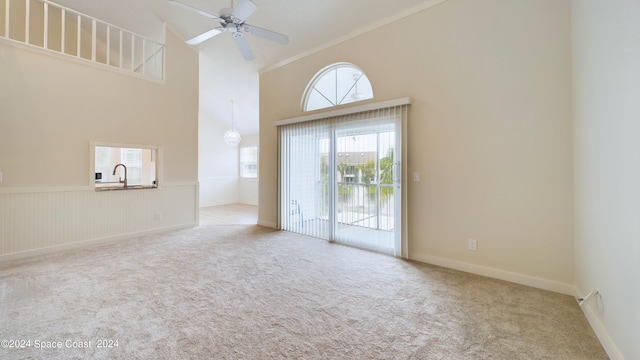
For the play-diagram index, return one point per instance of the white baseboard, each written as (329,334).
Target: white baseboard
(539,283)
(87,243)
(601,333)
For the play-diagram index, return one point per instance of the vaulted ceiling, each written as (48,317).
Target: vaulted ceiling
(309,25)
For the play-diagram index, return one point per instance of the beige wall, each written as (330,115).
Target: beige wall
(606,78)
(50,108)
(489,131)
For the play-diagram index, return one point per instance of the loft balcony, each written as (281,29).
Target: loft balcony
(45,25)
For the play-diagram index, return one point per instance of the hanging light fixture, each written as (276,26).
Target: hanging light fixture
(232,136)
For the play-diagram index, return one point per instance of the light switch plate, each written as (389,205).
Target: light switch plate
(416,176)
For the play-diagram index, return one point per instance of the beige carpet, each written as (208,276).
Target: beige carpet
(247,292)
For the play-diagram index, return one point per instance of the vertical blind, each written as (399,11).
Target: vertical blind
(340,177)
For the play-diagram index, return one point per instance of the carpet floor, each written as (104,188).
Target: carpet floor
(249,292)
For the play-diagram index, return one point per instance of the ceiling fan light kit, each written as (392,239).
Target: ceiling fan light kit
(233,20)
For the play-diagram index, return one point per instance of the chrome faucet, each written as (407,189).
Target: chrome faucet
(120,180)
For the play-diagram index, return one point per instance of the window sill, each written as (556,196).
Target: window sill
(110,187)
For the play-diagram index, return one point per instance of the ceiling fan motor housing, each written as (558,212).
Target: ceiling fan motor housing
(226,14)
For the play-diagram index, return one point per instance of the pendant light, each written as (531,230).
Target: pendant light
(232,136)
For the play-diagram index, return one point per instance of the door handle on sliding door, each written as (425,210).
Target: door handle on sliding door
(396,172)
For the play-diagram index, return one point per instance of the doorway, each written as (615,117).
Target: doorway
(341,180)
(229,214)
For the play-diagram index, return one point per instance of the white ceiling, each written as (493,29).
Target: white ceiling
(309,25)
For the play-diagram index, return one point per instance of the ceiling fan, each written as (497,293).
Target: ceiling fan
(232,20)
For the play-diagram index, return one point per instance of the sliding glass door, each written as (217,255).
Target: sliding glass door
(340,179)
(365,213)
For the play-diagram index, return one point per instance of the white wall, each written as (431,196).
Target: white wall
(217,164)
(606,88)
(35,221)
(220,182)
(218,167)
(489,130)
(248,188)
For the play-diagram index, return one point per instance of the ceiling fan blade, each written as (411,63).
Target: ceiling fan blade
(243,45)
(243,10)
(206,36)
(266,34)
(196,10)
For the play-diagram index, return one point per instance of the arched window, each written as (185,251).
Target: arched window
(336,84)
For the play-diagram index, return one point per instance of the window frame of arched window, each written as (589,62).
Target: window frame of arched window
(340,97)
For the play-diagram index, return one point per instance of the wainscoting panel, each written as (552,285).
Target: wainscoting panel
(33,221)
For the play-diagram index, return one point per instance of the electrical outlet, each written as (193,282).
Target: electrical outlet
(157,216)
(472,245)
(0,176)
(416,176)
